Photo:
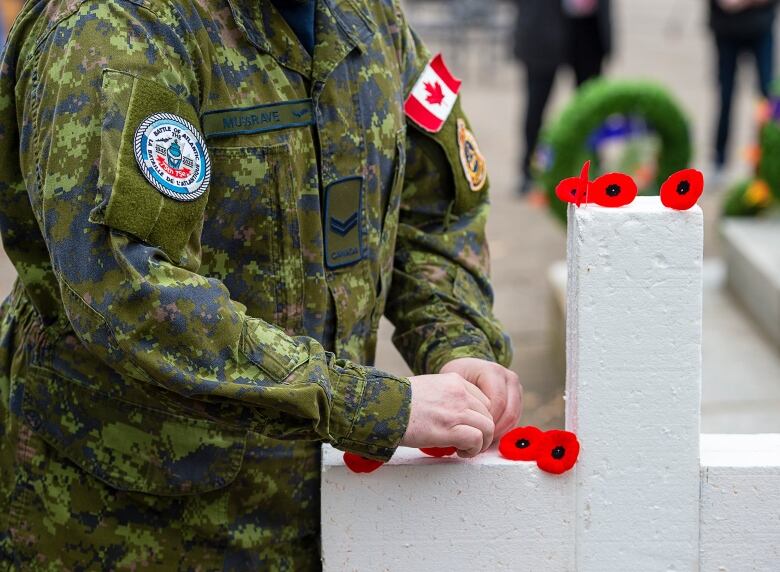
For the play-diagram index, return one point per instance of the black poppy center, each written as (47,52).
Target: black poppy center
(522,443)
(613,190)
(558,452)
(683,187)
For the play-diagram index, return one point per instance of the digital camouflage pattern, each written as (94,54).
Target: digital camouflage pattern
(168,369)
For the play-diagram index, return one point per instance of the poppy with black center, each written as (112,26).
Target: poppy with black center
(520,444)
(439,451)
(574,189)
(358,464)
(681,190)
(612,190)
(558,451)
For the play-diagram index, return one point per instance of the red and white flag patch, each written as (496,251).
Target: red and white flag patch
(433,96)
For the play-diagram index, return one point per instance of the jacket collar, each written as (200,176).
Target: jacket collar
(340,27)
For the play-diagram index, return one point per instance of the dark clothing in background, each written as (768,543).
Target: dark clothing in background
(299,15)
(588,46)
(751,22)
(542,33)
(729,49)
(547,38)
(751,31)
(539,83)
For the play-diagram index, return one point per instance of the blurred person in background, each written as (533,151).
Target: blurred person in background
(549,34)
(8,11)
(740,26)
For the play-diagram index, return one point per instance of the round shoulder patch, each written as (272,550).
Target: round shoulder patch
(172,156)
(470,158)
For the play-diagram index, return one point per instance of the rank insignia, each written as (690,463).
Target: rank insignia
(343,232)
(470,157)
(172,156)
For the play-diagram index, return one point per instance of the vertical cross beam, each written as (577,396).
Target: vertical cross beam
(634,304)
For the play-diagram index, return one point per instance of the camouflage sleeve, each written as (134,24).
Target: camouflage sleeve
(127,258)
(441,297)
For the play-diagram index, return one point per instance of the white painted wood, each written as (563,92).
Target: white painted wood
(750,248)
(740,503)
(634,383)
(418,513)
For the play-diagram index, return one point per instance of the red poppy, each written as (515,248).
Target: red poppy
(612,190)
(682,189)
(520,444)
(558,451)
(439,451)
(574,189)
(358,464)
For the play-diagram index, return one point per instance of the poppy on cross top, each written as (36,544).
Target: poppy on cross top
(680,191)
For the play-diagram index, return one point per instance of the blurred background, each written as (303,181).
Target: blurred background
(521,62)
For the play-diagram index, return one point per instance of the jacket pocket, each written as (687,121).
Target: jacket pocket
(127,446)
(251,237)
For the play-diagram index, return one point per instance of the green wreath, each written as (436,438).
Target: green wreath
(756,195)
(564,142)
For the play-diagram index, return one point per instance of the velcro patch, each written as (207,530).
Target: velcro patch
(258,118)
(343,232)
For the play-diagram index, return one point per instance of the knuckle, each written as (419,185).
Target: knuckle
(459,392)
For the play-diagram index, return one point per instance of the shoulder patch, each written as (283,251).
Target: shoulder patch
(172,156)
(433,96)
(471,158)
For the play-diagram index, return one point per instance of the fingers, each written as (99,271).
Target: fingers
(448,410)
(469,441)
(474,435)
(514,405)
(484,424)
(493,384)
(478,401)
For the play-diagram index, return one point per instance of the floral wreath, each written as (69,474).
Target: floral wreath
(564,143)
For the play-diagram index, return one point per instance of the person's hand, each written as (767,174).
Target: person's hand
(448,411)
(500,385)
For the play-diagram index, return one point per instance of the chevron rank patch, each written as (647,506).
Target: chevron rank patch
(343,230)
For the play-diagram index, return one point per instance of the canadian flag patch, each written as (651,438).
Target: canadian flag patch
(433,96)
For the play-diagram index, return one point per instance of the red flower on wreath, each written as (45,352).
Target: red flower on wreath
(682,189)
(557,451)
(358,464)
(612,190)
(439,451)
(520,444)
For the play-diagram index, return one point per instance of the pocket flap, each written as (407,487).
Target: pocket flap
(130,447)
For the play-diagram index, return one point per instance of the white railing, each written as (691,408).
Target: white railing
(647,493)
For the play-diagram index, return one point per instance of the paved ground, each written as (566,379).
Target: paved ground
(665,40)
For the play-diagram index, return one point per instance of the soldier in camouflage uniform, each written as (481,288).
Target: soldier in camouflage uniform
(207,224)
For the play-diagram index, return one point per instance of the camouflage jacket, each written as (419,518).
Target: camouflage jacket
(169,367)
